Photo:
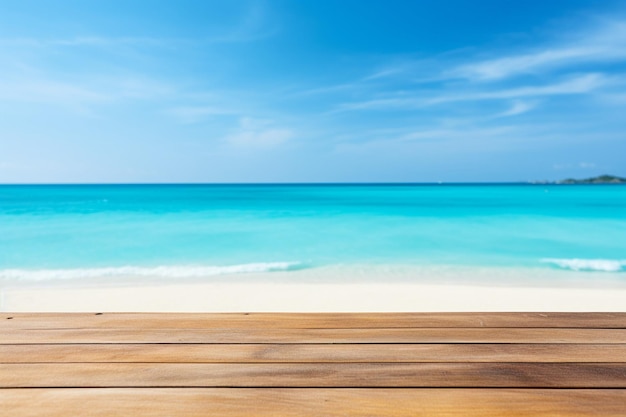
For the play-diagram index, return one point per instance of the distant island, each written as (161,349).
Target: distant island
(602,179)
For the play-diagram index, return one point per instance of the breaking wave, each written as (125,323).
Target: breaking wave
(575,264)
(152,272)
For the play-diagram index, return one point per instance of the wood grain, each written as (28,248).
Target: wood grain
(364,364)
(256,335)
(312,402)
(310,353)
(338,375)
(310,320)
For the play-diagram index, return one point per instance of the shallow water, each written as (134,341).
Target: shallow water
(204,231)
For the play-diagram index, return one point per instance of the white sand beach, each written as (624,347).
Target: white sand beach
(331,289)
(310,297)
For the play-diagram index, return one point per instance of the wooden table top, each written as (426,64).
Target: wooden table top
(320,364)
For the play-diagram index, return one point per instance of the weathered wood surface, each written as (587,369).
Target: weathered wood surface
(307,336)
(310,320)
(310,353)
(407,364)
(294,402)
(337,375)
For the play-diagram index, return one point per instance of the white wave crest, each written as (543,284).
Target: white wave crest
(605,265)
(134,271)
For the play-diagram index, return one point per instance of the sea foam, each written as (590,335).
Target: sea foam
(152,272)
(575,264)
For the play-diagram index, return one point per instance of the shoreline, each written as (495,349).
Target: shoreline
(346,288)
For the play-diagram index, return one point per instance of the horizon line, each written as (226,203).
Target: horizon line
(528,182)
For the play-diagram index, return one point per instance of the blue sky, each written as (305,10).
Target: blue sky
(311,90)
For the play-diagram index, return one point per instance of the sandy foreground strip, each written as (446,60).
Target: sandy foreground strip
(309,297)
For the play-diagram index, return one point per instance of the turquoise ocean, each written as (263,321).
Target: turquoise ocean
(53,233)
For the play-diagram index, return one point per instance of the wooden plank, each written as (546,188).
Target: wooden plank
(344,375)
(311,353)
(312,402)
(254,335)
(309,320)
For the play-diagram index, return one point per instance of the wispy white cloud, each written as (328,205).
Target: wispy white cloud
(48,91)
(256,133)
(91,91)
(339,88)
(463,133)
(253,24)
(68,71)
(578,85)
(90,41)
(382,104)
(468,138)
(99,41)
(518,107)
(389,71)
(512,65)
(581,84)
(602,42)
(194,114)
(458,76)
(605,43)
